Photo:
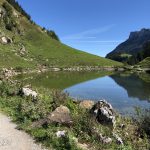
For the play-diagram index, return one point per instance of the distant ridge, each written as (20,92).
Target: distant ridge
(131,47)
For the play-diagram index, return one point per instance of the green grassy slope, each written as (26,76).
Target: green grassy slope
(41,49)
(145,63)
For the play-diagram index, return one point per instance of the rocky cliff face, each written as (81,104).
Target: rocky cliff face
(131,46)
(144,33)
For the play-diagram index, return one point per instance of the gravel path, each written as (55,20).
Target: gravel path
(13,139)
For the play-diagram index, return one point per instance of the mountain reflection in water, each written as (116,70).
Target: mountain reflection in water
(124,91)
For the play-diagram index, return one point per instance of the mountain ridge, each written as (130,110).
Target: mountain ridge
(131,47)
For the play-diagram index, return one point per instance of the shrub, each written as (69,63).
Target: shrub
(19,69)
(7,89)
(53,35)
(59,98)
(9,20)
(19,8)
(143,120)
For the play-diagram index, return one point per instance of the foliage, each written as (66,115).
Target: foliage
(58,98)
(42,50)
(144,53)
(9,21)
(7,89)
(134,58)
(53,35)
(16,5)
(145,63)
(26,110)
(143,120)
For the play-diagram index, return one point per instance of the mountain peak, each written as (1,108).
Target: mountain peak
(131,47)
(137,34)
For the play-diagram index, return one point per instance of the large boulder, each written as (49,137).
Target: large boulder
(61,115)
(104,112)
(86,104)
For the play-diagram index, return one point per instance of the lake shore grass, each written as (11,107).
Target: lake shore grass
(26,110)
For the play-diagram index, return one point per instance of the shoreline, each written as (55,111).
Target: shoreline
(10,72)
(53,116)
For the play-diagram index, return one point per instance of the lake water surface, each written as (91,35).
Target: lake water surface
(123,90)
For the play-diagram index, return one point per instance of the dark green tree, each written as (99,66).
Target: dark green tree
(53,35)
(16,5)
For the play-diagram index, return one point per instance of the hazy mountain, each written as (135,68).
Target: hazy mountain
(132,47)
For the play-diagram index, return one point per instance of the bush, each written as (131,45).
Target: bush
(143,121)
(7,89)
(59,98)
(8,8)
(53,35)
(9,21)
(19,69)
(19,8)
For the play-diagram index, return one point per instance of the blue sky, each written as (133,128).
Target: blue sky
(94,26)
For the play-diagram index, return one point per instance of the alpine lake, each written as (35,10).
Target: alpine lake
(125,91)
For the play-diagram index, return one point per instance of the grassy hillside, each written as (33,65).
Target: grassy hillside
(145,63)
(39,48)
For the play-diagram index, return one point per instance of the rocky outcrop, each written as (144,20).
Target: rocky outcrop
(104,113)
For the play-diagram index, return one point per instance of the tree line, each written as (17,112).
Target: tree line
(16,5)
(145,52)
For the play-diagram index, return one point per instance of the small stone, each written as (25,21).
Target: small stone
(104,139)
(61,133)
(6,40)
(118,139)
(122,126)
(28,92)
(107,140)
(82,146)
